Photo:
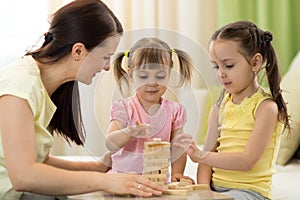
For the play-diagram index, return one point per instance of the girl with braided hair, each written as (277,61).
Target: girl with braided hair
(245,124)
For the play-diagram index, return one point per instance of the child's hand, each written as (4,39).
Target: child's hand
(177,176)
(186,143)
(105,162)
(138,130)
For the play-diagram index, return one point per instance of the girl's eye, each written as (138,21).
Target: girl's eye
(160,77)
(216,67)
(106,58)
(143,77)
(229,66)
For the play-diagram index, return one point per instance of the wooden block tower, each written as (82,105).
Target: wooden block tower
(157,161)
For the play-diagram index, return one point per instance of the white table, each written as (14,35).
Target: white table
(195,195)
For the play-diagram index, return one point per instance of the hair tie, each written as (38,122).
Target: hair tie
(126,53)
(48,37)
(268,37)
(173,50)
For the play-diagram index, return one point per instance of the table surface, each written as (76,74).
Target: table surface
(194,195)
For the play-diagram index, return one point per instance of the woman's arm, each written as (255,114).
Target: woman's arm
(19,146)
(101,165)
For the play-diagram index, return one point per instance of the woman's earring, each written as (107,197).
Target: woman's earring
(76,59)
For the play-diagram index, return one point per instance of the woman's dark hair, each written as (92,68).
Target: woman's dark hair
(253,40)
(89,22)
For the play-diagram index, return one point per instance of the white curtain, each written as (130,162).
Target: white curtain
(194,18)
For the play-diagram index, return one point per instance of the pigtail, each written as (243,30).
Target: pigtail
(274,79)
(185,66)
(120,74)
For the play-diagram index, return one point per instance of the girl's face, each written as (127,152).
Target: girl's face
(97,59)
(233,70)
(150,82)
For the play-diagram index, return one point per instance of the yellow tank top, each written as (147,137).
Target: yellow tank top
(236,124)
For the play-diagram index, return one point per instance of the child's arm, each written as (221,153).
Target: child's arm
(118,135)
(204,172)
(266,119)
(178,159)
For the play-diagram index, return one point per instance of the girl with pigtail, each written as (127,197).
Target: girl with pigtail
(146,114)
(245,124)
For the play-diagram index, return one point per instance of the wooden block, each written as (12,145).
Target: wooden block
(156,176)
(157,162)
(157,149)
(156,139)
(156,145)
(175,192)
(156,155)
(173,185)
(188,188)
(179,186)
(200,187)
(154,170)
(185,181)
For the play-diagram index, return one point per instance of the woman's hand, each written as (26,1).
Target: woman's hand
(132,184)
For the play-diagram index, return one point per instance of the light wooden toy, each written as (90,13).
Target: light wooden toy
(157,161)
(156,167)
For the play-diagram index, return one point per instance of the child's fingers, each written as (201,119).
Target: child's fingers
(139,124)
(139,130)
(180,146)
(184,139)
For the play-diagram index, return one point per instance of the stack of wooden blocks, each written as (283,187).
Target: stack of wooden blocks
(156,167)
(157,161)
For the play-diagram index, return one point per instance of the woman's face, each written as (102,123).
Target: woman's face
(97,59)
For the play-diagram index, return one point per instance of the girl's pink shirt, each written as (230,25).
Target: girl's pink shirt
(168,118)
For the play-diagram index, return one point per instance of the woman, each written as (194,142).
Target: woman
(39,95)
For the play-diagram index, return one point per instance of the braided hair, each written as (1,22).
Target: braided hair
(252,40)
